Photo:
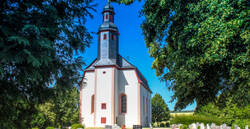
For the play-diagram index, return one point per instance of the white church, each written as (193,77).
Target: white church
(113,91)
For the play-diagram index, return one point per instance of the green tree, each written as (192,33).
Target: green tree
(229,114)
(40,41)
(201,47)
(61,110)
(160,111)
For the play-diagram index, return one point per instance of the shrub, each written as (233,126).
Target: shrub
(167,124)
(187,120)
(183,127)
(76,126)
(241,123)
(50,128)
(229,114)
(35,128)
(162,125)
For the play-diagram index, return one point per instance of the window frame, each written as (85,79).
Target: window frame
(112,37)
(92,104)
(103,120)
(121,103)
(103,106)
(104,36)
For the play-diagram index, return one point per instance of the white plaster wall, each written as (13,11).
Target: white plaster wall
(125,82)
(86,93)
(128,84)
(103,95)
(145,114)
(116,95)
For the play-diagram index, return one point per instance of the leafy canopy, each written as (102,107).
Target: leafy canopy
(201,47)
(61,110)
(229,114)
(160,111)
(39,45)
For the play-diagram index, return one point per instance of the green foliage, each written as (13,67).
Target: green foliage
(201,47)
(40,43)
(230,114)
(35,128)
(187,120)
(183,127)
(76,126)
(242,123)
(209,110)
(61,110)
(127,2)
(162,125)
(50,128)
(160,111)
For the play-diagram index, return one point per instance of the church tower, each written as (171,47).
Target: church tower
(113,91)
(108,38)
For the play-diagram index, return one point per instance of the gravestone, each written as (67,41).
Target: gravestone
(150,126)
(208,127)
(115,126)
(192,126)
(137,127)
(108,127)
(174,126)
(224,126)
(202,126)
(213,126)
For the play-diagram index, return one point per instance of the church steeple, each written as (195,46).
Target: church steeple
(107,38)
(108,13)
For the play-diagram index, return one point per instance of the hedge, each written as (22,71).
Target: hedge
(187,120)
(76,126)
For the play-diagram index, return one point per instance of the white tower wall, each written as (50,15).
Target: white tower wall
(104,92)
(85,94)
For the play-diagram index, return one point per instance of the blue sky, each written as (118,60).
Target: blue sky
(131,44)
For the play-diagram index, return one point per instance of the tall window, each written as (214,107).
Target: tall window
(104,36)
(92,103)
(107,16)
(123,101)
(112,37)
(143,104)
(148,105)
(111,17)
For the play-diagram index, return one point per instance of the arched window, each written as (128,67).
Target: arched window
(92,103)
(123,103)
